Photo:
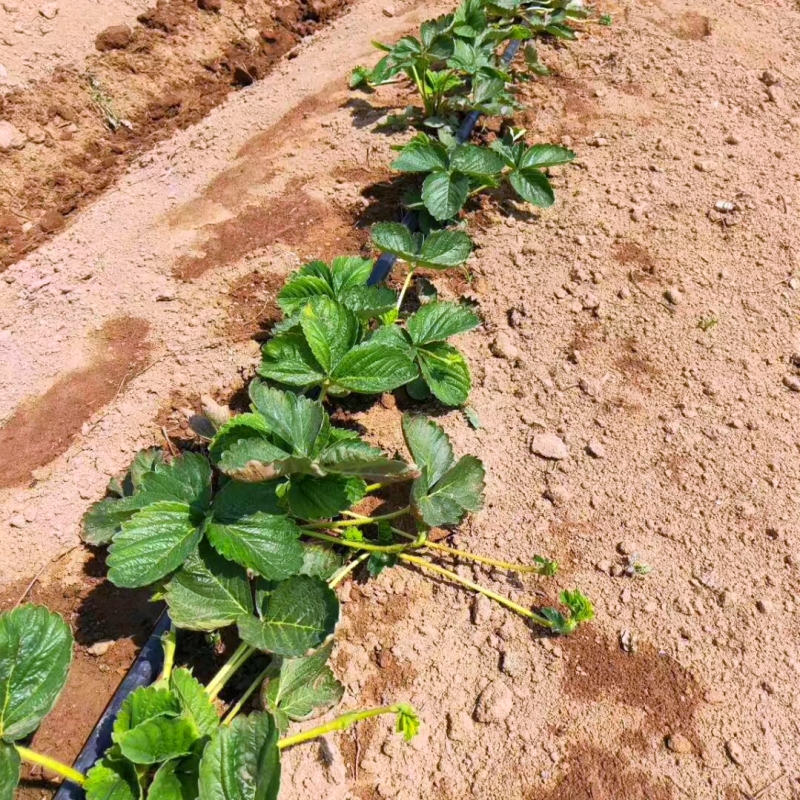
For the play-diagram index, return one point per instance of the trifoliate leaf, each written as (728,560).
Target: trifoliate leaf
(471,159)
(295,419)
(242,762)
(331,330)
(444,249)
(313,498)
(546,155)
(9,770)
(35,654)
(447,502)
(297,689)
(187,479)
(446,372)
(533,186)
(444,194)
(238,428)
(394,238)
(153,543)
(297,616)
(320,561)
(159,739)
(208,592)
(421,154)
(169,783)
(112,779)
(266,544)
(348,272)
(236,499)
(429,445)
(299,289)
(369,302)
(372,367)
(438,321)
(143,704)
(288,359)
(194,701)
(362,459)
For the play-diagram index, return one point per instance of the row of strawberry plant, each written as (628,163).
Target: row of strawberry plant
(255,532)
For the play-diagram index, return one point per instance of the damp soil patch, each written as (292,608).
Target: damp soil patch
(42,428)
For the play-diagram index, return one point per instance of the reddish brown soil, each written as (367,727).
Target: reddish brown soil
(44,427)
(158,83)
(313,228)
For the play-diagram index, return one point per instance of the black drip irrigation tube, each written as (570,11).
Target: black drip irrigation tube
(150,660)
(144,670)
(383,266)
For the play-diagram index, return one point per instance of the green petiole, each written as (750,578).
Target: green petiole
(226,672)
(349,523)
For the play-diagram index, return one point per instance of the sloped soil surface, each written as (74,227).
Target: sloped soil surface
(649,320)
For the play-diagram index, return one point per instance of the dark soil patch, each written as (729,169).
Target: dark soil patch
(253,306)
(155,83)
(596,774)
(648,680)
(692,27)
(314,228)
(42,428)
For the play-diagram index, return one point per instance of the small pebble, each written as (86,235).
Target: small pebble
(550,446)
(627,547)
(596,449)
(678,743)
(734,752)
(765,606)
(792,382)
(49,10)
(673,295)
(100,648)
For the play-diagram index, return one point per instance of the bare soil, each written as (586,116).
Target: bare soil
(645,319)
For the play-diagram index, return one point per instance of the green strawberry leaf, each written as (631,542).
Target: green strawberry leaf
(444,194)
(287,358)
(320,561)
(9,770)
(266,544)
(112,779)
(187,479)
(142,705)
(421,154)
(394,238)
(438,321)
(362,459)
(236,429)
(159,739)
(533,186)
(348,272)
(169,783)
(297,616)
(299,289)
(369,302)
(378,562)
(446,502)
(446,372)
(476,161)
(236,500)
(194,701)
(208,592)
(295,419)
(298,689)
(35,654)
(242,762)
(372,367)
(313,498)
(546,155)
(104,519)
(444,249)
(331,330)
(429,445)
(153,543)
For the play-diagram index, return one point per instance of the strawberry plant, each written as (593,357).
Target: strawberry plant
(169,740)
(342,336)
(455,172)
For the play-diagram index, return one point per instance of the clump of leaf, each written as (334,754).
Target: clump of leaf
(343,336)
(455,172)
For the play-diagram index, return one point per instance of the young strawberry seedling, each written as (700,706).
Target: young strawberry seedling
(342,336)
